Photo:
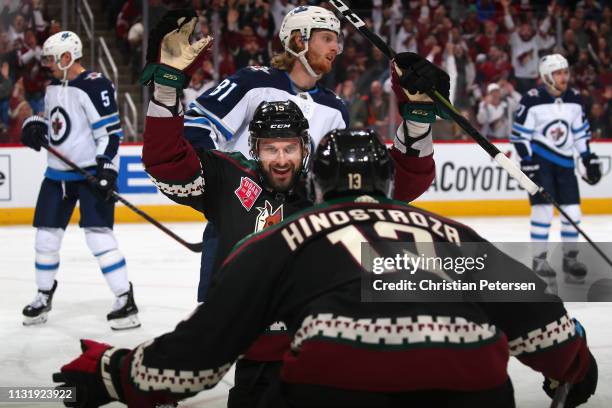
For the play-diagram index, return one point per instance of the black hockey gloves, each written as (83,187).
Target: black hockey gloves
(592,164)
(106,175)
(34,132)
(531,169)
(580,392)
(95,374)
(170,56)
(416,77)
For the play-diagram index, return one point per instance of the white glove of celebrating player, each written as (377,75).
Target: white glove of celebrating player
(171,59)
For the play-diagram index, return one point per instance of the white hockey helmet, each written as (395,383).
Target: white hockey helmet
(60,43)
(305,19)
(549,64)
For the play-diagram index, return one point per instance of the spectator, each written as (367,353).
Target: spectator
(465,76)
(599,123)
(16,31)
(405,39)
(378,108)
(251,54)
(525,45)
(6,87)
(376,67)
(19,110)
(495,67)
(197,85)
(489,37)
(358,111)
(570,47)
(496,110)
(40,25)
(279,8)
(31,71)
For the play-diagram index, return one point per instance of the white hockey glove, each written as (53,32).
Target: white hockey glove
(171,59)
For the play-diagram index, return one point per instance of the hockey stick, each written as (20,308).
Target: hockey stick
(560,396)
(197,247)
(501,159)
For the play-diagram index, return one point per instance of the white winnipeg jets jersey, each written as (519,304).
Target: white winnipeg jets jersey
(552,127)
(83,123)
(219,118)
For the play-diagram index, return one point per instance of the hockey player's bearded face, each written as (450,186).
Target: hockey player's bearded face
(280,161)
(323,48)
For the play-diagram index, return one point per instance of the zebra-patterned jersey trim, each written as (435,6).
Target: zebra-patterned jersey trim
(554,333)
(396,331)
(192,189)
(174,381)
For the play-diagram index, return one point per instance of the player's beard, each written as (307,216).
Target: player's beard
(278,183)
(319,62)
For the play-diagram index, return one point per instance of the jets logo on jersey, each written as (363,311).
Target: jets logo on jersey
(268,216)
(93,75)
(60,125)
(247,192)
(557,132)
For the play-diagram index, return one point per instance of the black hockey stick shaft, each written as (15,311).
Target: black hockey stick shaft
(560,396)
(488,147)
(195,247)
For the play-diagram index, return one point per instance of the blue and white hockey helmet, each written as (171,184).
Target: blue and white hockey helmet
(548,65)
(60,43)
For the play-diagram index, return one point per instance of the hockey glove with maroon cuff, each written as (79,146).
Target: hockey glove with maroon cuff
(580,392)
(592,164)
(94,374)
(171,59)
(34,132)
(106,175)
(411,77)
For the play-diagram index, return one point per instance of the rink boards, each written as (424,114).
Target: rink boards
(467,182)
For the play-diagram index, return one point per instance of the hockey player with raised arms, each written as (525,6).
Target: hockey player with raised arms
(242,196)
(345,352)
(311,38)
(82,123)
(549,127)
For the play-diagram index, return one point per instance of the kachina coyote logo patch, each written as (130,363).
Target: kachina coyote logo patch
(268,216)
(247,192)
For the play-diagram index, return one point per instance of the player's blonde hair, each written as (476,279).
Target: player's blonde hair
(285,61)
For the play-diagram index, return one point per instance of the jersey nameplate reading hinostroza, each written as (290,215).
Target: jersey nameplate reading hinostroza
(298,231)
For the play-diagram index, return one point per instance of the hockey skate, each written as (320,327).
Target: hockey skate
(125,313)
(574,271)
(36,312)
(543,269)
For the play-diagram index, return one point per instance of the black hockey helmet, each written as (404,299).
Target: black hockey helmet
(349,162)
(278,119)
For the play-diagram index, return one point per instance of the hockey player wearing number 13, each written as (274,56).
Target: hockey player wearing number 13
(82,123)
(344,352)
(549,126)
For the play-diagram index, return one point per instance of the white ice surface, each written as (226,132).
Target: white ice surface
(165,277)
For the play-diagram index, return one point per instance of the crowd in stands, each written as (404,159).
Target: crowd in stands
(489,48)
(24,26)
